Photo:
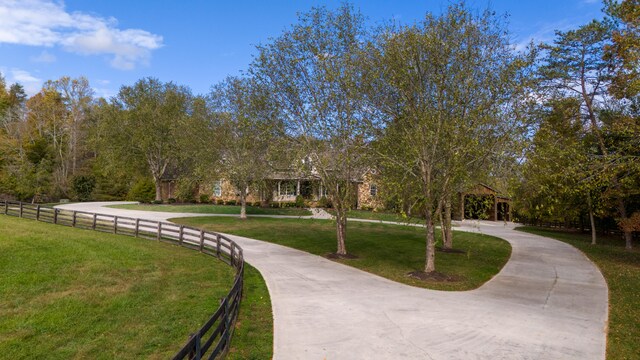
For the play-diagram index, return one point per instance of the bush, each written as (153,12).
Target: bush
(220,202)
(185,190)
(324,202)
(204,199)
(230,202)
(257,203)
(143,191)
(299,201)
(171,201)
(83,186)
(157,202)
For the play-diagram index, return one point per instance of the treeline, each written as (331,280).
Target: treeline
(583,161)
(432,107)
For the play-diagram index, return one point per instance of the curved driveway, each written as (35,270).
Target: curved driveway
(548,302)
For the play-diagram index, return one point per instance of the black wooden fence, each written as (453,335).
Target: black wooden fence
(212,340)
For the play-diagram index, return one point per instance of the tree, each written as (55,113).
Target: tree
(624,50)
(446,93)
(558,179)
(245,126)
(576,65)
(147,121)
(77,96)
(313,74)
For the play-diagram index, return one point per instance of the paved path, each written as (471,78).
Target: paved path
(548,302)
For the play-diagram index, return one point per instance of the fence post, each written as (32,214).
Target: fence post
(93,225)
(181,235)
(73,219)
(6,207)
(38,213)
(55,216)
(233,251)
(218,245)
(159,230)
(21,209)
(201,240)
(115,224)
(137,226)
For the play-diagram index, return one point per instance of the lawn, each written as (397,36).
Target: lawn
(379,215)
(621,269)
(215,209)
(390,251)
(70,293)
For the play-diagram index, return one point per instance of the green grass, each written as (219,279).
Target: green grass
(621,270)
(69,293)
(390,251)
(215,209)
(253,336)
(379,215)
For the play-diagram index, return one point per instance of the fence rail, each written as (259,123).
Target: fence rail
(212,340)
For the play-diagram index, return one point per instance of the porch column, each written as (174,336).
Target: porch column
(279,188)
(298,188)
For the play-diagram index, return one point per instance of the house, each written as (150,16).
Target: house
(285,187)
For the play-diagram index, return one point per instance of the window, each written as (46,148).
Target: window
(287,188)
(217,188)
(373,190)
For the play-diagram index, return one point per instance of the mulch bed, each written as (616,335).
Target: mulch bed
(334,256)
(434,276)
(450,251)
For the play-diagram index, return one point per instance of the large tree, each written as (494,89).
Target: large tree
(244,128)
(313,72)
(625,47)
(576,66)
(447,93)
(147,121)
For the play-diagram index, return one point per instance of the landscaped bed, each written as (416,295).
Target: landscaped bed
(621,269)
(69,293)
(391,251)
(215,209)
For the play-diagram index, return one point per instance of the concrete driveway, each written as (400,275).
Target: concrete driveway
(548,302)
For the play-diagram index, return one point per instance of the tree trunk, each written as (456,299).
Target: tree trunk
(430,262)
(448,233)
(628,236)
(158,189)
(592,221)
(243,204)
(593,227)
(341,230)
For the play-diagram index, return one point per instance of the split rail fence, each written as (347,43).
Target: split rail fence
(212,340)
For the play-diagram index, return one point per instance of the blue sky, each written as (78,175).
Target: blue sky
(198,43)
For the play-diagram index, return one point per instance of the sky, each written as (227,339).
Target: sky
(198,43)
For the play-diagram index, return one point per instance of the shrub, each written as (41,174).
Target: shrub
(143,190)
(324,202)
(230,202)
(156,202)
(299,201)
(204,199)
(83,186)
(220,202)
(256,203)
(171,201)
(185,190)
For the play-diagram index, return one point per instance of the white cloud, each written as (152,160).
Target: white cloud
(44,57)
(31,84)
(47,23)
